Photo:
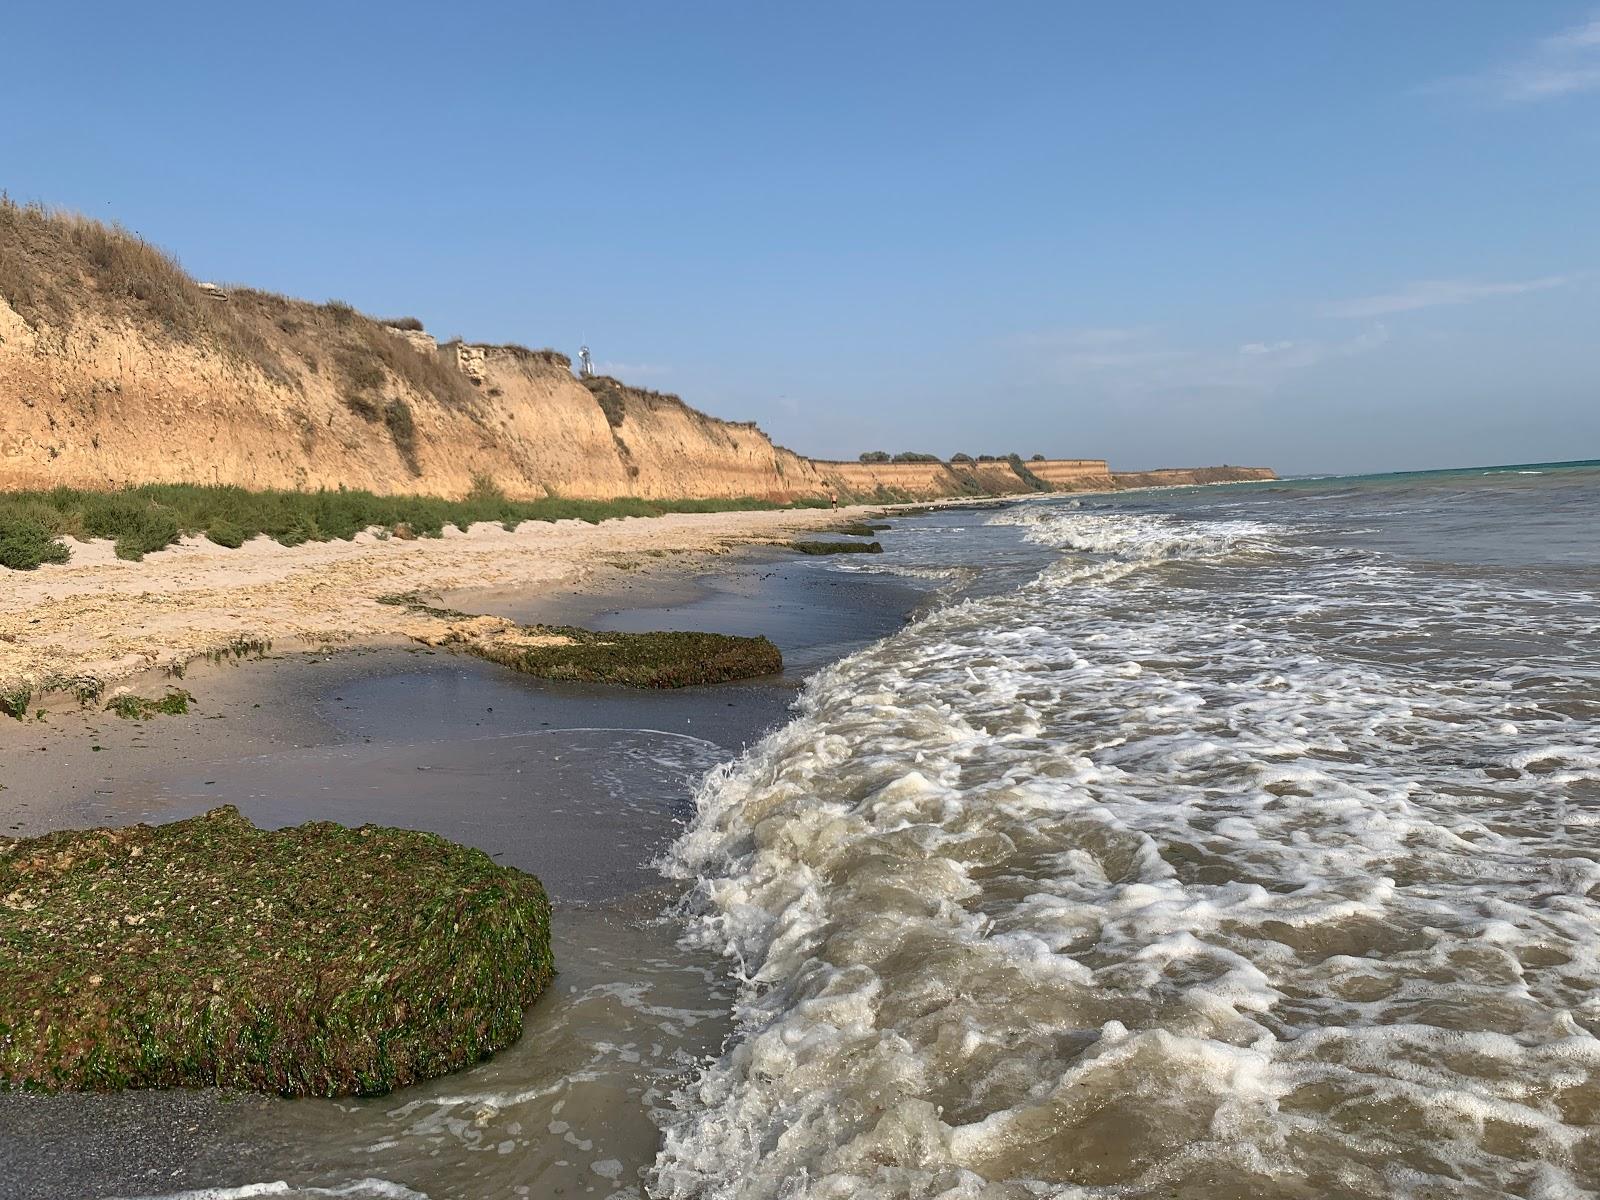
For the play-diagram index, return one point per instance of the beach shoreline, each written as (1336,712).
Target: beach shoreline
(584,785)
(98,623)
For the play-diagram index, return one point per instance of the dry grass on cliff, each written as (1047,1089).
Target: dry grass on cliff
(54,264)
(612,395)
(57,268)
(365,354)
(548,356)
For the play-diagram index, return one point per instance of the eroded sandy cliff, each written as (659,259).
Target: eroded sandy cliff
(116,368)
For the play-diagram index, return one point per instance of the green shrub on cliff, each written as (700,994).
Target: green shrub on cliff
(1027,476)
(318,960)
(403,431)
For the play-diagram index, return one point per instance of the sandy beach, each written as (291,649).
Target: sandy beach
(109,619)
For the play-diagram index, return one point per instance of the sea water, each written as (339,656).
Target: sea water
(1239,841)
(1223,842)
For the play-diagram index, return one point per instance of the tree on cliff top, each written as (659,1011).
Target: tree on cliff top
(875,456)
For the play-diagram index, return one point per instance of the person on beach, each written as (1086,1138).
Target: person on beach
(833,498)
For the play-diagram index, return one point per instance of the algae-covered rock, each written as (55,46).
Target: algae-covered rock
(649,660)
(837,547)
(319,960)
(659,659)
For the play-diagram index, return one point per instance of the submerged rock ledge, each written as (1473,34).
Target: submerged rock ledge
(319,960)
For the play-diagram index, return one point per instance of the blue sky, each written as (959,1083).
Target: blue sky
(1348,236)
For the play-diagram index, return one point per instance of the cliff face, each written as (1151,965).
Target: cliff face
(668,450)
(116,367)
(347,403)
(1186,476)
(892,481)
(1075,474)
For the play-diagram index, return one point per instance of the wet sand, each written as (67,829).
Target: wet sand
(583,785)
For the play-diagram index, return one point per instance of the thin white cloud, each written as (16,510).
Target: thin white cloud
(1079,338)
(1432,293)
(1578,38)
(626,371)
(1092,349)
(1142,365)
(1563,64)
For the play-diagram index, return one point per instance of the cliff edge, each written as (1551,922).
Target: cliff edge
(117,368)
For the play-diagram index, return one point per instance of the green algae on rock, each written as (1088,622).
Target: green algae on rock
(647,660)
(660,659)
(318,960)
(837,547)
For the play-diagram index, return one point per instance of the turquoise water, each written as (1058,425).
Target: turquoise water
(1528,514)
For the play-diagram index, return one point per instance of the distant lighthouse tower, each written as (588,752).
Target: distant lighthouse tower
(585,363)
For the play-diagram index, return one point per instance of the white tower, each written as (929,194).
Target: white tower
(585,363)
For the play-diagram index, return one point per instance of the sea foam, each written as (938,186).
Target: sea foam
(1208,862)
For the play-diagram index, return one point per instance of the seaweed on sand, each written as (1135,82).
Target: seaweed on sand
(648,660)
(14,700)
(137,708)
(318,960)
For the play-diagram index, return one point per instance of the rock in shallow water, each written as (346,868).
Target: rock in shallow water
(318,960)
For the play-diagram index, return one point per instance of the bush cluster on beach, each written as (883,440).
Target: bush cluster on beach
(29,536)
(143,519)
(318,960)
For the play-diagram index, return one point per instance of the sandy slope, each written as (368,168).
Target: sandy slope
(110,619)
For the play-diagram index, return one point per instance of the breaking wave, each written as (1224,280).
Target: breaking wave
(1211,862)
